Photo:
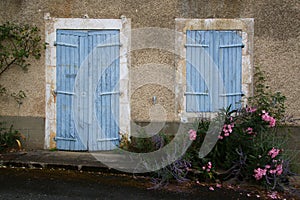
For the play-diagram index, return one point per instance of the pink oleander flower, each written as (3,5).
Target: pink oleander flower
(279,169)
(267,166)
(272,122)
(265,113)
(259,173)
(209,165)
(193,134)
(273,152)
(229,128)
(273,195)
(226,130)
(266,117)
(249,130)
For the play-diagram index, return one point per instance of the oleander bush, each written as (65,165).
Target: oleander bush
(248,148)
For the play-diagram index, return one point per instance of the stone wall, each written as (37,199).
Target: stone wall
(276,42)
(31,128)
(276,46)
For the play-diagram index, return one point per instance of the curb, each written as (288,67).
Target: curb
(39,165)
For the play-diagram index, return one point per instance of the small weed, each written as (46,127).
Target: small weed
(9,138)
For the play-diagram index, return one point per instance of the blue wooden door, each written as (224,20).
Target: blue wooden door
(98,105)
(213,70)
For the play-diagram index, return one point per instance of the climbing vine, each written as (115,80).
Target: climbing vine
(17,44)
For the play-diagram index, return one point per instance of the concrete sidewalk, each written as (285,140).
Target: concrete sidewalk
(57,159)
(103,161)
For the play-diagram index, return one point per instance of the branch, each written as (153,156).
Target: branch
(7,65)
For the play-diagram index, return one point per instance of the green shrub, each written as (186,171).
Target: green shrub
(177,170)
(9,138)
(249,147)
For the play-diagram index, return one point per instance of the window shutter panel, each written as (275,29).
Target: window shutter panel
(230,66)
(197,94)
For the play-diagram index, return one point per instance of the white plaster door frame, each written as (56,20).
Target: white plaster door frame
(54,24)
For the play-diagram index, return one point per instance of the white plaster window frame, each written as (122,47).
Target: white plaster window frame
(51,26)
(245,25)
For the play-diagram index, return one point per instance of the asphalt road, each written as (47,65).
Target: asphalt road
(63,184)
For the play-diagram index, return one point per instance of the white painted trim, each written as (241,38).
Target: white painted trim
(246,26)
(51,25)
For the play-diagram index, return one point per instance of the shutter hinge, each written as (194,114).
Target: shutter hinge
(232,45)
(53,92)
(232,94)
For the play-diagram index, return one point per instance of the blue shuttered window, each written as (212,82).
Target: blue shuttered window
(213,70)
(99,90)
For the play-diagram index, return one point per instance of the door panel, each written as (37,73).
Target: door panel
(105,64)
(68,62)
